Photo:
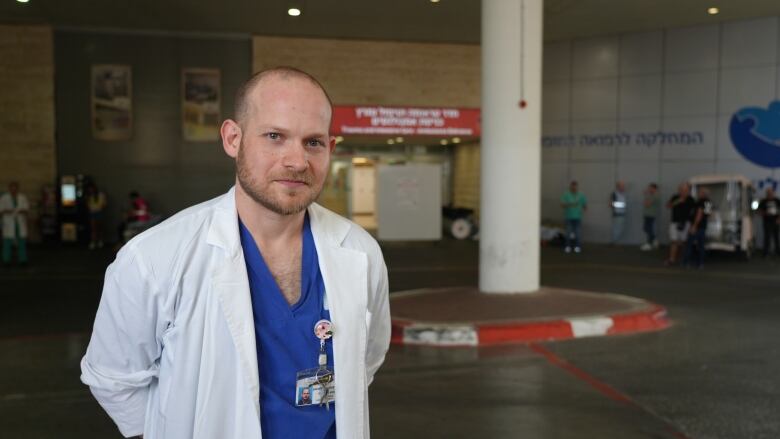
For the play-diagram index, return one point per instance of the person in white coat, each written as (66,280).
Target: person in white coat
(206,326)
(14,207)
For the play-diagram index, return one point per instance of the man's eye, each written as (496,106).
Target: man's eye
(314,142)
(274,136)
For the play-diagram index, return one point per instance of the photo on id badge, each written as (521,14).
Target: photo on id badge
(315,387)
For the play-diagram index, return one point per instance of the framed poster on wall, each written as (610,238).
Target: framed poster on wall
(200,107)
(112,102)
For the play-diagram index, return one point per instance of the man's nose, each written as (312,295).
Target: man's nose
(296,158)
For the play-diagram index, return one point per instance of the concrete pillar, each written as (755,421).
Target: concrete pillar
(511,145)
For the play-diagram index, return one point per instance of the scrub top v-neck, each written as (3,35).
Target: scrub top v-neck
(286,343)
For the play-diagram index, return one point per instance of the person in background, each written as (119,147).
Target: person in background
(769,209)
(681,205)
(574,204)
(618,203)
(14,207)
(47,213)
(139,211)
(651,206)
(697,232)
(96,203)
(135,217)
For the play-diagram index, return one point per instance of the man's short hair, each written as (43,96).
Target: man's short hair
(241,107)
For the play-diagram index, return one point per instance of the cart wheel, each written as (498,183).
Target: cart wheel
(461,228)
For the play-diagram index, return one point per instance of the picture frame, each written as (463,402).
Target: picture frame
(201,102)
(111,102)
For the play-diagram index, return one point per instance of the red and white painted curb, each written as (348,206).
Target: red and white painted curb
(481,334)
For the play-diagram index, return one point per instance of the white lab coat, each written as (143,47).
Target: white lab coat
(173,351)
(11,219)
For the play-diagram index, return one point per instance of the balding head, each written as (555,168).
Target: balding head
(243,106)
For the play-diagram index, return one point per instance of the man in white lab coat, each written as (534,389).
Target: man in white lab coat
(13,208)
(206,327)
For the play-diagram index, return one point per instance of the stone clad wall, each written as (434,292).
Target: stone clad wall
(380,72)
(652,107)
(27,151)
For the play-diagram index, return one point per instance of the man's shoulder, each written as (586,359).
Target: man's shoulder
(179,229)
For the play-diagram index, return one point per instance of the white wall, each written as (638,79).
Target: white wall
(683,81)
(408,202)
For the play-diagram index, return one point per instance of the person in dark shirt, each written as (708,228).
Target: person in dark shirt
(697,232)
(769,209)
(681,205)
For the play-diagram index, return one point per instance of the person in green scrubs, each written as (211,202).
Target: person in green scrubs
(574,204)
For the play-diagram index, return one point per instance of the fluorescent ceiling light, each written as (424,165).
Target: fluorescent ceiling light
(713,11)
(293,12)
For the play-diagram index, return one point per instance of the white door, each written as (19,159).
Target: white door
(363,190)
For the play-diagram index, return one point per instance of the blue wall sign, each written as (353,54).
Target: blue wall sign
(755,133)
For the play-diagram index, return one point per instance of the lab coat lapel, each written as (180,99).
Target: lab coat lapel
(231,285)
(345,273)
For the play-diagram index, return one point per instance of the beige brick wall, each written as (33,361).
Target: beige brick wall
(465,181)
(380,72)
(390,73)
(27,152)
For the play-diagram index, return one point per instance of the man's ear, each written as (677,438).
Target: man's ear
(332,144)
(231,137)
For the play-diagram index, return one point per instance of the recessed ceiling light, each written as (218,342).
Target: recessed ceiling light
(23,1)
(713,11)
(456,140)
(339,139)
(399,139)
(435,1)
(390,141)
(444,141)
(293,12)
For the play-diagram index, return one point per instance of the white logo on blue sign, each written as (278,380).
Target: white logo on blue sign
(755,133)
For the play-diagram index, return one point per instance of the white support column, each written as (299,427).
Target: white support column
(511,145)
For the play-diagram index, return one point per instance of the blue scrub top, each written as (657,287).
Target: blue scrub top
(286,343)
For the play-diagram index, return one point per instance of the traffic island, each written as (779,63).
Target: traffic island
(467,317)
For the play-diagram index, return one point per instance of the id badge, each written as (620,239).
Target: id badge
(315,387)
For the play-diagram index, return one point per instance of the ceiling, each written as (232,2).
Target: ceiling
(454,21)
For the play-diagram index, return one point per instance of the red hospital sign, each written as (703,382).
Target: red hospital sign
(406,121)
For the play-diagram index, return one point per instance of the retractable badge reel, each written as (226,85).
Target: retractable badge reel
(317,385)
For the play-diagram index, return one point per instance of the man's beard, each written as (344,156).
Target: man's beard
(252,188)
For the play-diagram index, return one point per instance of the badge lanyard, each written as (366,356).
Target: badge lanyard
(317,385)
